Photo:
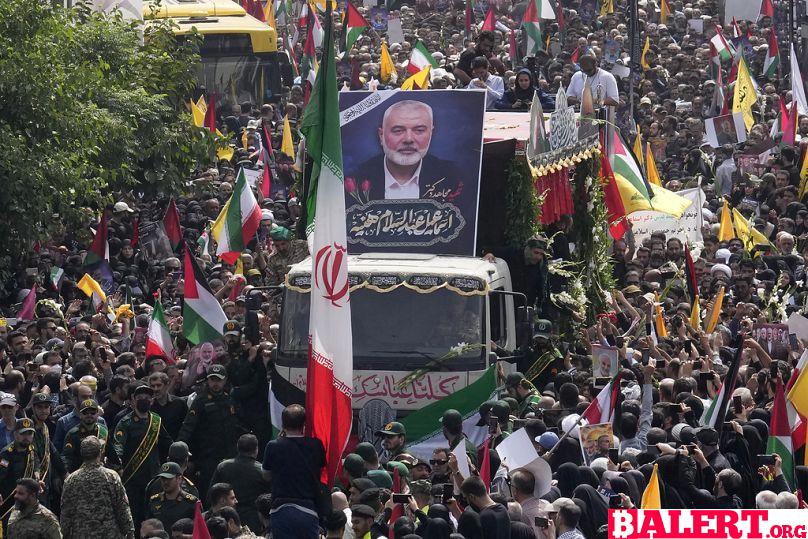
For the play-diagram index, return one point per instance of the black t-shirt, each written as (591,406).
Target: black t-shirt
(495,522)
(295,464)
(466,59)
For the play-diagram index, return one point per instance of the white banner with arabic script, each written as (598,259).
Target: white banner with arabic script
(687,228)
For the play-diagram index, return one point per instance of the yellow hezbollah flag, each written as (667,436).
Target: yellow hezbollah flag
(286,140)
(269,14)
(643,62)
(651,171)
(746,232)
(202,104)
(659,320)
(726,232)
(716,312)
(804,178)
(637,149)
(607,8)
(91,288)
(419,81)
(652,496)
(197,114)
(386,66)
(745,95)
(695,314)
(664,12)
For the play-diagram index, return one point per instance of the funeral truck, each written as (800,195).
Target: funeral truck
(411,313)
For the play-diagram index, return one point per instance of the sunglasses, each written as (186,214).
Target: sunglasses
(435,462)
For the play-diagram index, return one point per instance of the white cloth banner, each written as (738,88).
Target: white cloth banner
(687,228)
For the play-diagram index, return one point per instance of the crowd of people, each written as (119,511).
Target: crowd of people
(102,440)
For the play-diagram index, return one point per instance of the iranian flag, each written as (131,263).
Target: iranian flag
(424,428)
(601,410)
(158,338)
(532,28)
(780,435)
(722,48)
(237,222)
(329,376)
(354,24)
(420,58)
(772,61)
(202,317)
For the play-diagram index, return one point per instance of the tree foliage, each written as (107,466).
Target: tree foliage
(89,108)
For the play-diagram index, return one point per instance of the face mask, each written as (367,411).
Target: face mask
(142,406)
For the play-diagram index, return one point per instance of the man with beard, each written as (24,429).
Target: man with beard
(598,80)
(139,441)
(405,169)
(211,428)
(287,251)
(51,468)
(17,461)
(29,518)
(88,426)
(394,440)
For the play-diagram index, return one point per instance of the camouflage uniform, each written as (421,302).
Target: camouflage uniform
(36,522)
(94,505)
(278,264)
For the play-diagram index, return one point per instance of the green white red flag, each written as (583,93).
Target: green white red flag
(420,57)
(237,222)
(772,61)
(780,435)
(158,337)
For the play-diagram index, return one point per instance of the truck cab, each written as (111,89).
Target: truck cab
(410,312)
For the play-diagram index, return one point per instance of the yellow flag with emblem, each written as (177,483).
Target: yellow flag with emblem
(715,313)
(287,146)
(198,115)
(643,62)
(386,66)
(419,81)
(745,95)
(651,172)
(725,231)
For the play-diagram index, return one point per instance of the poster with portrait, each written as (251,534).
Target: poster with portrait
(201,357)
(727,129)
(771,336)
(378,19)
(605,361)
(596,440)
(412,170)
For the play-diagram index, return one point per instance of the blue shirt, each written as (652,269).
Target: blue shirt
(6,436)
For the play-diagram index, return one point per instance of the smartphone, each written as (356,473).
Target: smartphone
(541,522)
(646,355)
(705,376)
(615,502)
(492,425)
(765,460)
(727,425)
(401,498)
(613,455)
(737,405)
(698,364)
(688,346)
(661,363)
(448,492)
(792,339)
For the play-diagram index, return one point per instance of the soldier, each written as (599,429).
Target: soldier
(452,422)
(52,470)
(245,475)
(523,391)
(247,375)
(179,453)
(172,503)
(288,251)
(139,440)
(89,425)
(210,428)
(17,461)
(29,518)
(394,440)
(170,408)
(94,504)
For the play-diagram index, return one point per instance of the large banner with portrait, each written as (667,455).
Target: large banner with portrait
(412,169)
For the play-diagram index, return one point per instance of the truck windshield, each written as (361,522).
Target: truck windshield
(399,330)
(237,78)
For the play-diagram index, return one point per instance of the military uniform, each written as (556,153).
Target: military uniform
(129,435)
(71,451)
(211,429)
(278,264)
(51,467)
(249,382)
(168,511)
(154,487)
(529,403)
(35,522)
(246,477)
(16,461)
(95,505)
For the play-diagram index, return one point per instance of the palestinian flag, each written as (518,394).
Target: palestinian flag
(354,24)
(490,22)
(308,67)
(601,409)
(96,262)
(171,224)
(532,28)
(237,222)
(690,275)
(717,410)
(158,338)
(282,393)
(626,168)
(57,275)
(544,9)
(420,58)
(767,10)
(780,435)
(202,317)
(615,211)
(723,50)
(424,428)
(28,305)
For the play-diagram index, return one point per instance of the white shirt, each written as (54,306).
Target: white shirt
(495,89)
(393,189)
(607,82)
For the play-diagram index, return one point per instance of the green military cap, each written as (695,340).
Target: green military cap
(381,478)
(512,403)
(88,404)
(25,425)
(422,487)
(501,410)
(217,371)
(366,451)
(362,510)
(354,464)
(484,410)
(169,470)
(514,379)
(42,398)
(280,233)
(394,428)
(451,419)
(232,327)
(403,470)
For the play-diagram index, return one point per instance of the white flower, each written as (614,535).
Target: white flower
(459,348)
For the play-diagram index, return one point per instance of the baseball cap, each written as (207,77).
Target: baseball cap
(514,379)
(40,398)
(232,327)
(88,404)
(178,452)
(362,510)
(217,371)
(707,436)
(122,206)
(547,440)
(169,470)
(484,409)
(142,388)
(7,399)
(394,428)
(451,418)
(24,425)
(543,328)
(682,432)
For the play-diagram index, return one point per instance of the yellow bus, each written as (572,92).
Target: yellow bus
(240,57)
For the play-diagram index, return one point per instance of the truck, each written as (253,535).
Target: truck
(410,312)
